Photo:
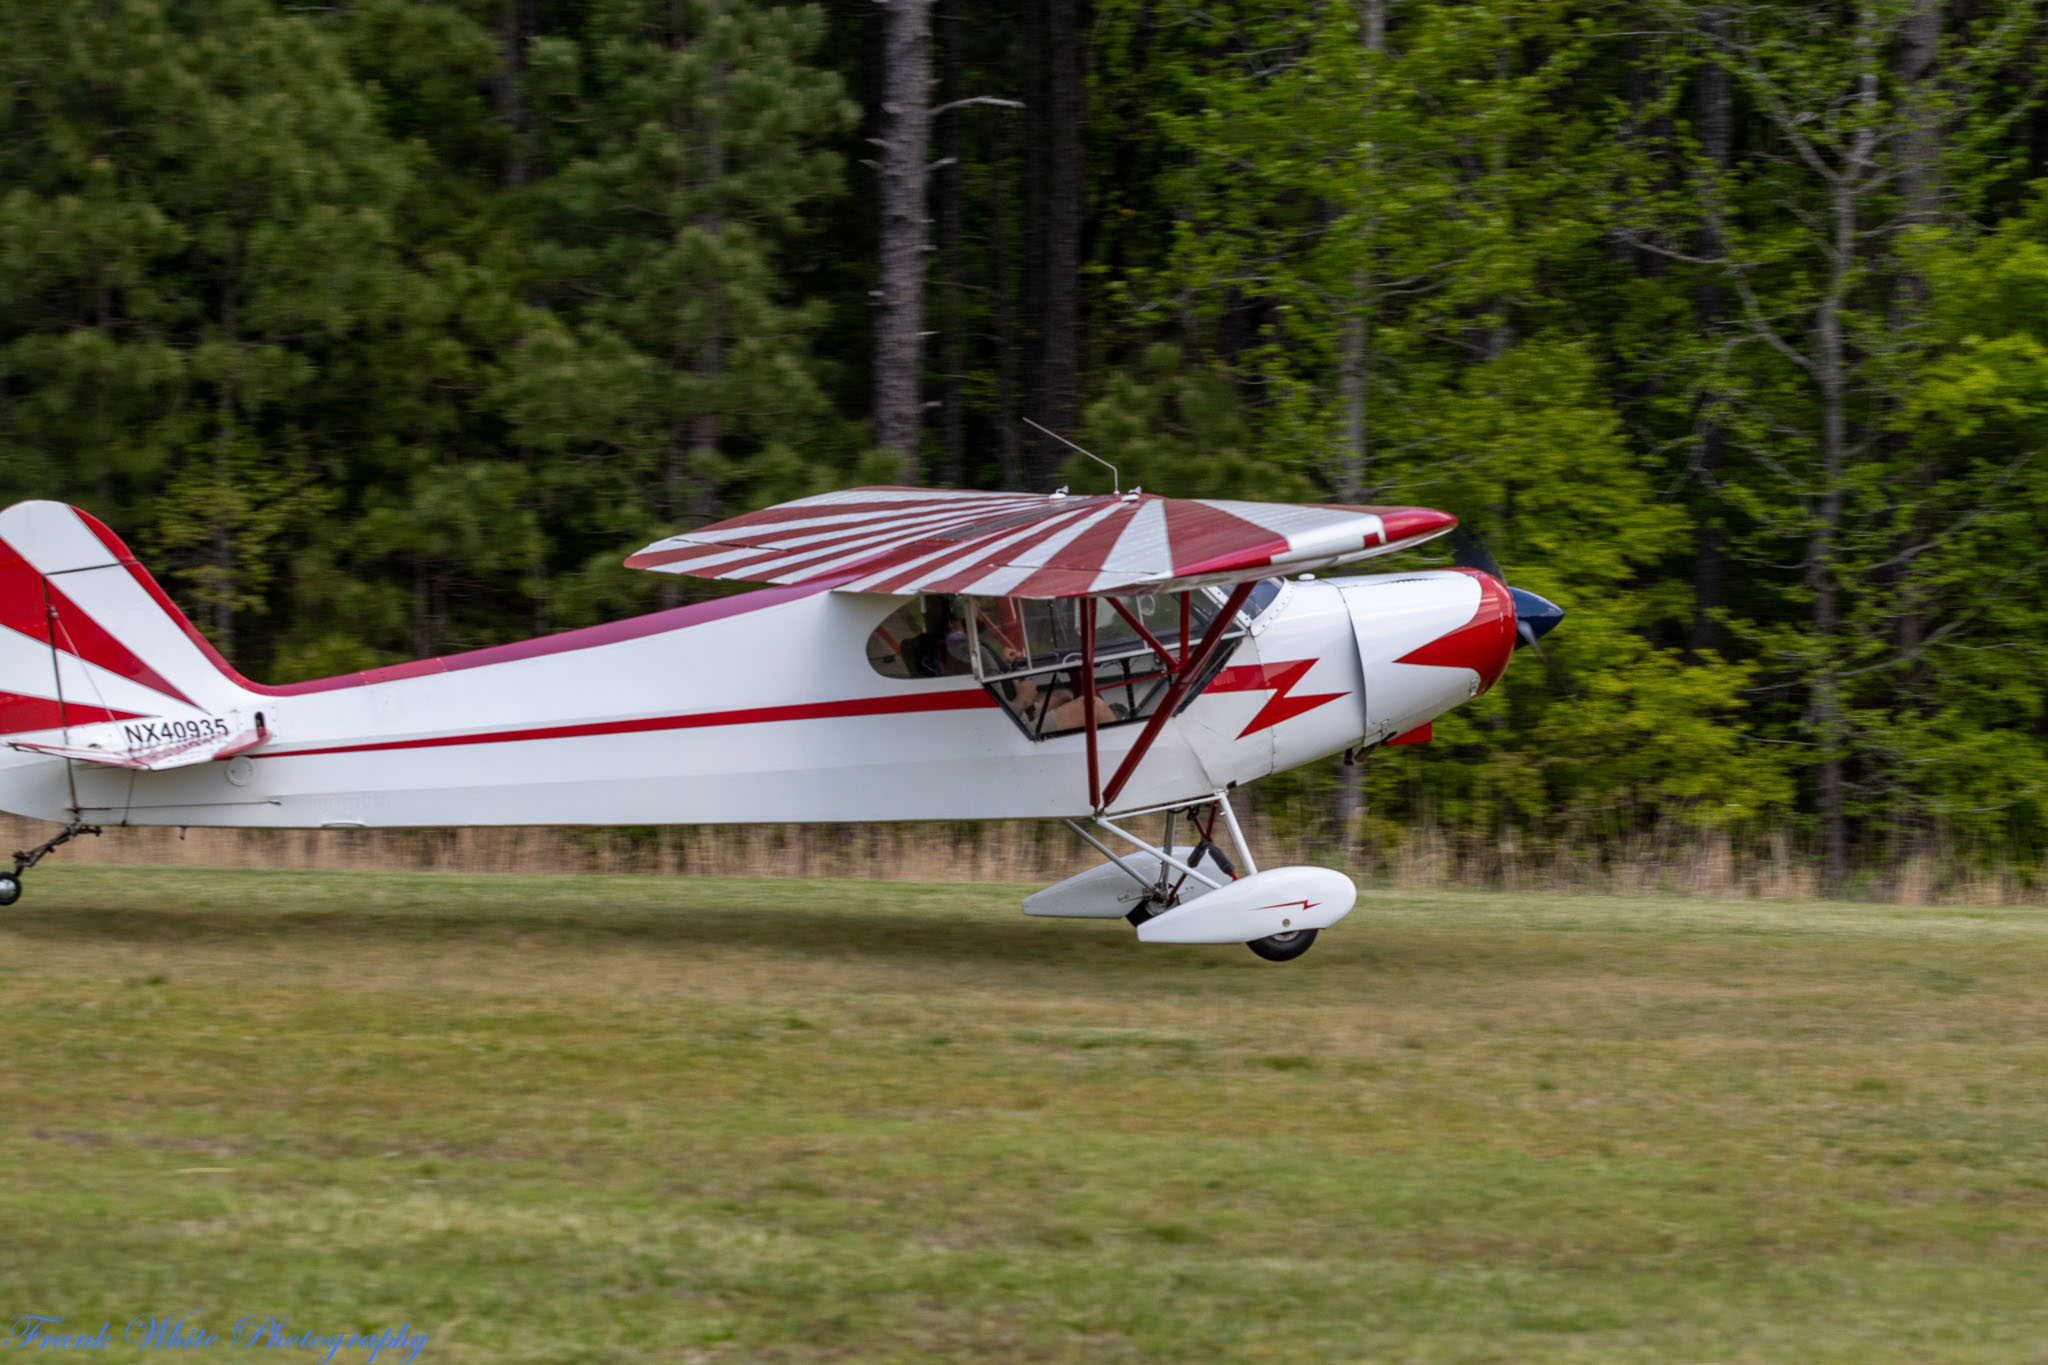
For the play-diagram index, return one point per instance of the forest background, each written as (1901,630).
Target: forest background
(386,329)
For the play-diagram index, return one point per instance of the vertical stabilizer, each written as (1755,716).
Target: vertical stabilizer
(87,636)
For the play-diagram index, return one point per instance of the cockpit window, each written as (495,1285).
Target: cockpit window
(926,637)
(1027,651)
(1028,633)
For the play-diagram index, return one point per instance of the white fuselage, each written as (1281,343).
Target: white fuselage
(740,713)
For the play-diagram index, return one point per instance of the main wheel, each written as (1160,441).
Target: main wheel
(1284,947)
(10,888)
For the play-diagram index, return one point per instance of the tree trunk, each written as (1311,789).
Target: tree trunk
(1003,316)
(1352,365)
(1715,120)
(1040,458)
(508,94)
(1353,384)
(906,140)
(1831,377)
(953,313)
(1066,209)
(223,455)
(1828,719)
(1920,186)
(1920,193)
(695,496)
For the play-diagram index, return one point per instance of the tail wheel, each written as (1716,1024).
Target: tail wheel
(10,888)
(1284,947)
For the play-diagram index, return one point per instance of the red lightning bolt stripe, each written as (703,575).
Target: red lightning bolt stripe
(1280,678)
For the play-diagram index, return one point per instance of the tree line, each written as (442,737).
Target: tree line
(385,329)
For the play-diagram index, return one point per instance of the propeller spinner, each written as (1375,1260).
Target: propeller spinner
(1535,617)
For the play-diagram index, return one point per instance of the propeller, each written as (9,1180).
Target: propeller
(1535,617)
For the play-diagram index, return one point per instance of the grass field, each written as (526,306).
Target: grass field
(638,1119)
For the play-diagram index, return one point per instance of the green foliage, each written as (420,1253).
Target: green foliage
(386,329)
(1180,430)
(672,371)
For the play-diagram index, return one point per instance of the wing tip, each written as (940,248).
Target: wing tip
(1400,524)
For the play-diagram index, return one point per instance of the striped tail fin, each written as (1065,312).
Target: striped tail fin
(86,635)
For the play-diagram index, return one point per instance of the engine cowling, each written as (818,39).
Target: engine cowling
(1426,642)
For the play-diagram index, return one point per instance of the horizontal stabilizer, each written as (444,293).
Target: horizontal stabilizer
(153,743)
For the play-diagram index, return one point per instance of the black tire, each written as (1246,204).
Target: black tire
(10,888)
(1284,947)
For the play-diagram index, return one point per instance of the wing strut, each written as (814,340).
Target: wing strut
(1088,702)
(1189,670)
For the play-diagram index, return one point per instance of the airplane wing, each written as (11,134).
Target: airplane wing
(918,540)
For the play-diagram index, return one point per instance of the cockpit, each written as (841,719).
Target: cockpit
(1034,654)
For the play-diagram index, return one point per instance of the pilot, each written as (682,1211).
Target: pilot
(942,650)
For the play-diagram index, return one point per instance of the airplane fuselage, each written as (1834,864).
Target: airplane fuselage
(763,708)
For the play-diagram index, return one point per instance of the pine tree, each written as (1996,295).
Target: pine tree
(201,229)
(672,373)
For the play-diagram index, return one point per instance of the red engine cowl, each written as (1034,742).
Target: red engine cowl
(1483,643)
(1427,641)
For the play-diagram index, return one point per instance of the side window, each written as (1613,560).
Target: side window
(926,637)
(886,645)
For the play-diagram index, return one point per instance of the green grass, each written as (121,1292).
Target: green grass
(552,1119)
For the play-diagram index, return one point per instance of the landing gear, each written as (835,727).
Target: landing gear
(1284,947)
(1166,891)
(10,882)
(1197,894)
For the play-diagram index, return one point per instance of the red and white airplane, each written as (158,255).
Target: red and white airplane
(920,655)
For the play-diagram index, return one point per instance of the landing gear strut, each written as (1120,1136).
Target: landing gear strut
(1246,907)
(10,882)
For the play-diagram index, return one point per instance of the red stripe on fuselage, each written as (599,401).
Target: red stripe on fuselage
(957,700)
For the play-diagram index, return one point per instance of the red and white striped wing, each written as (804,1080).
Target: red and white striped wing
(913,540)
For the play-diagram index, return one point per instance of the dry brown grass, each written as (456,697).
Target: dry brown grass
(1417,858)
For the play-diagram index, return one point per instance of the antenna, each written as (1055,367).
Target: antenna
(1115,480)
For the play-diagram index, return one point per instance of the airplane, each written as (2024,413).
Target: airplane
(915,654)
